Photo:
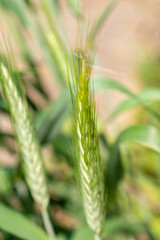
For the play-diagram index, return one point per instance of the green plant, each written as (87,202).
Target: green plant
(26,137)
(87,154)
(127,173)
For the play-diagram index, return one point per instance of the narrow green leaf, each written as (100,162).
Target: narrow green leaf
(61,237)
(112,228)
(5,181)
(147,136)
(21,10)
(103,84)
(3,105)
(51,10)
(75,6)
(18,225)
(101,19)
(134,100)
(117,226)
(58,51)
(47,53)
(17,7)
(48,122)
(142,98)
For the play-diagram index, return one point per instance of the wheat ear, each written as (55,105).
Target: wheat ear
(88,161)
(27,140)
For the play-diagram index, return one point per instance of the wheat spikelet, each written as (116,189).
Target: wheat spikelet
(88,161)
(26,136)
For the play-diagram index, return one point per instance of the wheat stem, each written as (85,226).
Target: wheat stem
(48,226)
(96,237)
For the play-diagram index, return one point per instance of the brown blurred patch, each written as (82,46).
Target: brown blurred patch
(5,124)
(7,158)
(64,219)
(59,169)
(1,237)
(143,237)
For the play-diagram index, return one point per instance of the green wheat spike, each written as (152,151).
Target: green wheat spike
(87,160)
(26,136)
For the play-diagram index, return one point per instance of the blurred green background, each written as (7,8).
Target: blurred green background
(126,74)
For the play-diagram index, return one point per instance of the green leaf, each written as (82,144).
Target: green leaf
(3,105)
(75,6)
(101,19)
(61,237)
(60,144)
(18,225)
(142,98)
(5,181)
(112,227)
(18,7)
(48,122)
(104,83)
(59,54)
(147,136)
(134,100)
(47,51)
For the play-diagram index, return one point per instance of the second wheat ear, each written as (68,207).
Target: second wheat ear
(88,164)
(27,140)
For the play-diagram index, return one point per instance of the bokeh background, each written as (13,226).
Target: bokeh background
(128,52)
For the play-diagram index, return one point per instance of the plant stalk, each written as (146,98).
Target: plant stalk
(48,226)
(97,237)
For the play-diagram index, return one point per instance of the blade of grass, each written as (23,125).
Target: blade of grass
(17,7)
(76,8)
(147,95)
(18,225)
(33,24)
(102,18)
(147,136)
(49,121)
(104,84)
(142,98)
(112,228)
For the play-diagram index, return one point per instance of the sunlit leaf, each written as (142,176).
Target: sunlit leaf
(75,6)
(18,225)
(142,98)
(112,227)
(146,136)
(102,83)
(102,18)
